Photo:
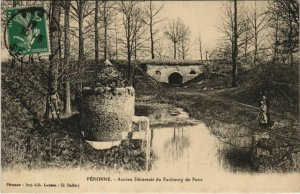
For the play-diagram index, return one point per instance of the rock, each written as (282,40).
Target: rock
(115,165)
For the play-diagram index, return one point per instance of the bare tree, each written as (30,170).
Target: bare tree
(175,31)
(286,10)
(67,100)
(116,39)
(276,41)
(131,20)
(162,49)
(79,13)
(234,28)
(246,38)
(152,14)
(82,9)
(105,28)
(235,47)
(141,39)
(96,32)
(185,44)
(286,14)
(200,46)
(53,58)
(258,21)
(109,13)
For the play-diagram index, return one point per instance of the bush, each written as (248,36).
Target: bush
(109,76)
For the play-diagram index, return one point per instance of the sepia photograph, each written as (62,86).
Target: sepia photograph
(150,96)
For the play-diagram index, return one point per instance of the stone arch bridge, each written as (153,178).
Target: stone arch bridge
(175,72)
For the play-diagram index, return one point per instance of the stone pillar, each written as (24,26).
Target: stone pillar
(261,149)
(106,113)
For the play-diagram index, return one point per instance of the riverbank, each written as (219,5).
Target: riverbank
(232,122)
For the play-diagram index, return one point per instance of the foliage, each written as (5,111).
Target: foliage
(109,76)
(284,20)
(173,62)
(31,143)
(231,115)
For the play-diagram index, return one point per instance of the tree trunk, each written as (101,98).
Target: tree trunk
(255,50)
(81,55)
(105,31)
(67,102)
(290,38)
(174,50)
(59,41)
(53,58)
(255,36)
(135,48)
(116,46)
(234,53)
(129,70)
(152,39)
(246,47)
(200,44)
(183,50)
(276,44)
(96,33)
(81,43)
(14,3)
(129,51)
(80,31)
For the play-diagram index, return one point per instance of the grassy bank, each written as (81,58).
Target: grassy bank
(30,142)
(230,113)
(232,121)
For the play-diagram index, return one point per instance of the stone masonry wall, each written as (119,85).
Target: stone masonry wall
(162,72)
(106,113)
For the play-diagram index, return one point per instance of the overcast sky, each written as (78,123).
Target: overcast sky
(202,17)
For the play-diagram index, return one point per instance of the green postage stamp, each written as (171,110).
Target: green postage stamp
(27,31)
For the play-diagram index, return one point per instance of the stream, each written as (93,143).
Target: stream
(179,143)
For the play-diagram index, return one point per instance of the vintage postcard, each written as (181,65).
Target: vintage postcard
(150,96)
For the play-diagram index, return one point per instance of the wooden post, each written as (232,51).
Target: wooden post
(148,147)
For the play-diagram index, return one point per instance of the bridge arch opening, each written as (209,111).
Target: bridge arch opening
(193,72)
(175,78)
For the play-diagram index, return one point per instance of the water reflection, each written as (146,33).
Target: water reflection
(176,147)
(181,144)
(185,148)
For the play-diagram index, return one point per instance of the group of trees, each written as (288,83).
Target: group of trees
(102,29)
(81,30)
(253,35)
(179,34)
